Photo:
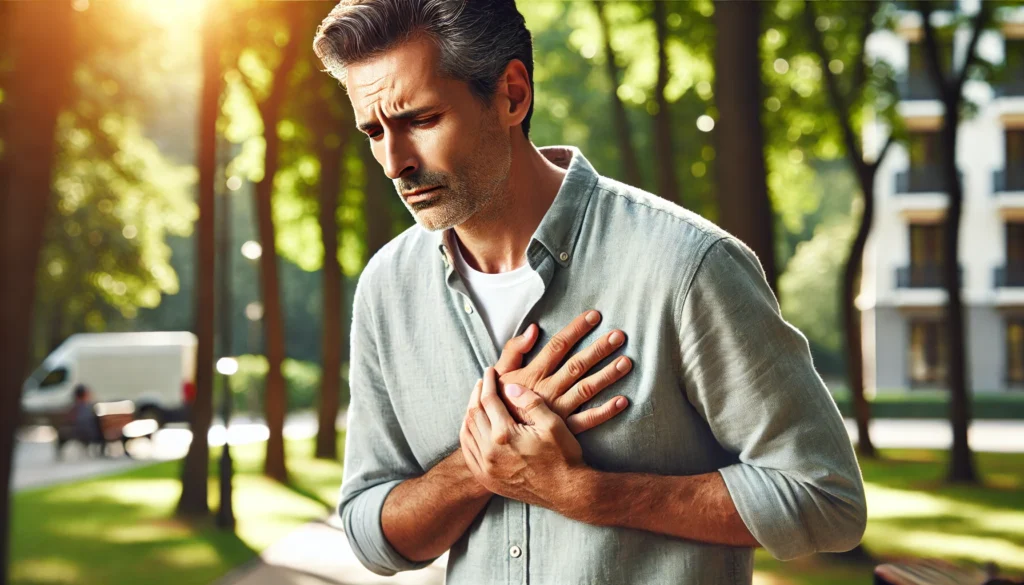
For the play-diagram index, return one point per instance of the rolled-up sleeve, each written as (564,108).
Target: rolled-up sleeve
(796,485)
(377,455)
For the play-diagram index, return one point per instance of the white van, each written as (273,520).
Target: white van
(154,370)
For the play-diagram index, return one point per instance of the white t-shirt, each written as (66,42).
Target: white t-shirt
(503,298)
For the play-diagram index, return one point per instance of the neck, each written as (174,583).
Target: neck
(495,238)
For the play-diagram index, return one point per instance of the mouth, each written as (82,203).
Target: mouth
(422,195)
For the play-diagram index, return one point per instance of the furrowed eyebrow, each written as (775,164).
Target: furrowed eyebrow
(365,126)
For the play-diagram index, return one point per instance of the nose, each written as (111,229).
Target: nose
(398,158)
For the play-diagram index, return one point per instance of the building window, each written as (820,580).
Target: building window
(925,174)
(918,84)
(1014,159)
(1010,81)
(928,353)
(1015,245)
(926,254)
(1015,352)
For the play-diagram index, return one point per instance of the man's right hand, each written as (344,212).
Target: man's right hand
(562,390)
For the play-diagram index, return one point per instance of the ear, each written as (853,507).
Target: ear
(514,94)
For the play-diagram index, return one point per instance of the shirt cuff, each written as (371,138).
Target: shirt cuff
(770,506)
(361,518)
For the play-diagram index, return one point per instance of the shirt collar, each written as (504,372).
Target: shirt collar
(559,229)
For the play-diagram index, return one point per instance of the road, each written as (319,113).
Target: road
(35,466)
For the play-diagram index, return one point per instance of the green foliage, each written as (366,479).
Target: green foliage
(303,380)
(810,287)
(117,196)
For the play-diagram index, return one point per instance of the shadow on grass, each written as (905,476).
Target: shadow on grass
(117,530)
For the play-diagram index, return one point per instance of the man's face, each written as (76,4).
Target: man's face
(427,132)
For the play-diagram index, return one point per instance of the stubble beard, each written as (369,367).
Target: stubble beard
(473,188)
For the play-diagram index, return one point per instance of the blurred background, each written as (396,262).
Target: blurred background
(185,209)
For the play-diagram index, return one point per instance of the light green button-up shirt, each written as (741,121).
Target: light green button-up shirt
(720,382)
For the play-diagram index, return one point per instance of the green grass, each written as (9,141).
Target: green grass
(912,512)
(121,529)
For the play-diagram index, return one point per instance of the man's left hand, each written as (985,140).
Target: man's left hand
(537,463)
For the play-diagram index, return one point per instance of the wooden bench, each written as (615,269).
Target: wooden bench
(117,424)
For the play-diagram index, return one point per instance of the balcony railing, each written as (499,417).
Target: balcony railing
(918,86)
(1009,179)
(926,179)
(923,276)
(1009,276)
(1009,88)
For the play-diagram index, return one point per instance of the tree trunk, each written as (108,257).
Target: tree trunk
(866,177)
(620,121)
(332,139)
(43,37)
(375,204)
(195,469)
(744,208)
(276,399)
(851,319)
(961,460)
(664,153)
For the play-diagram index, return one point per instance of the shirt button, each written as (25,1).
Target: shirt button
(515,551)
(468,307)
(564,256)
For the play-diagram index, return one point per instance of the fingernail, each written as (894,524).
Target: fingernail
(620,402)
(593,317)
(622,365)
(513,390)
(615,338)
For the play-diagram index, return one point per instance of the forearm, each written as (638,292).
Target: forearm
(424,516)
(696,507)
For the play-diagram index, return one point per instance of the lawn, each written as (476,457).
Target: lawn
(120,529)
(911,512)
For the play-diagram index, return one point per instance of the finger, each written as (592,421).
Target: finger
(497,414)
(470,451)
(560,343)
(531,407)
(478,425)
(512,355)
(582,362)
(588,419)
(590,386)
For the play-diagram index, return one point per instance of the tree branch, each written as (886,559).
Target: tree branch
(882,153)
(980,23)
(931,46)
(860,67)
(839,101)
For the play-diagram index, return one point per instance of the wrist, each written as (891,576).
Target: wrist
(581,495)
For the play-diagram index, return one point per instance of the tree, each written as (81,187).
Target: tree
(661,122)
(950,86)
(376,210)
(269,102)
(743,205)
(623,137)
(42,38)
(195,469)
(844,103)
(332,134)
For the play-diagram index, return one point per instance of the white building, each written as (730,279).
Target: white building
(901,293)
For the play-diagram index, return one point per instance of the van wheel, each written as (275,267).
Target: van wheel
(151,412)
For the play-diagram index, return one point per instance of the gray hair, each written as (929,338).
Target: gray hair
(477,38)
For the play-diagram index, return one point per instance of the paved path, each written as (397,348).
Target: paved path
(319,554)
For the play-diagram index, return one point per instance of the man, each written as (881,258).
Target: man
(729,441)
